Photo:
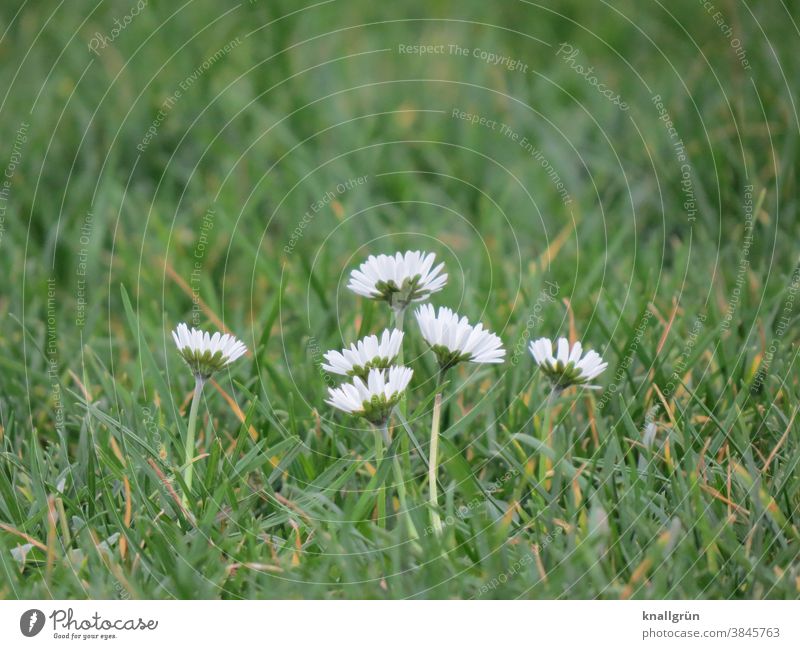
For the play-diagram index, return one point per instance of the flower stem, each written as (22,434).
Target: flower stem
(546,434)
(401,489)
(188,470)
(399,317)
(378,433)
(402,407)
(433,460)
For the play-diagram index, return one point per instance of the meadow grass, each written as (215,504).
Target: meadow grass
(156,180)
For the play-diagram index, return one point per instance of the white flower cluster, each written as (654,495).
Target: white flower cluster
(378,380)
(399,280)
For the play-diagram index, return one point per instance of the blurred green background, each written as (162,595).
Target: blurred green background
(230,163)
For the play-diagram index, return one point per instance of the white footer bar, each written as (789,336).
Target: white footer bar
(385,625)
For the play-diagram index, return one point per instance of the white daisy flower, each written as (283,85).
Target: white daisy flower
(567,367)
(455,340)
(204,353)
(402,279)
(368,353)
(375,398)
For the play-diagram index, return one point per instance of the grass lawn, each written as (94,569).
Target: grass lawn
(623,174)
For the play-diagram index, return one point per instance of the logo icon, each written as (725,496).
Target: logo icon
(31,622)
